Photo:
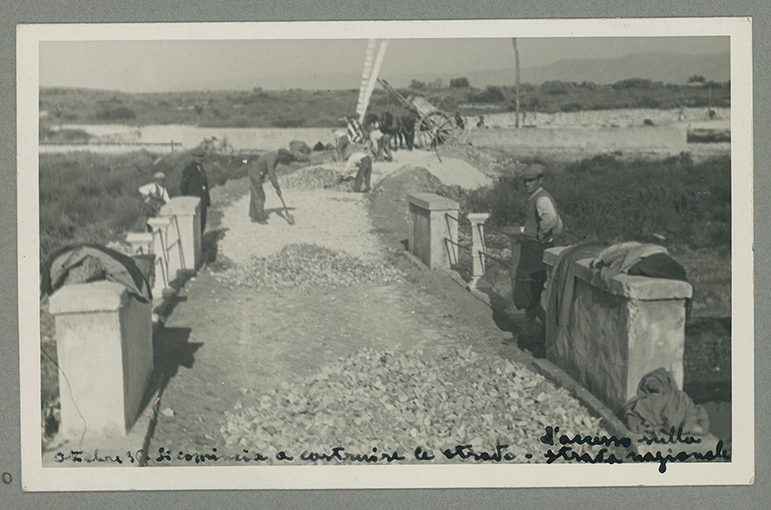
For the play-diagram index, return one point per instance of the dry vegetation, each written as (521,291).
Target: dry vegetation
(321,108)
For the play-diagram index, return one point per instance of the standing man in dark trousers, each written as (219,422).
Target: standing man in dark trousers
(542,224)
(265,167)
(195,184)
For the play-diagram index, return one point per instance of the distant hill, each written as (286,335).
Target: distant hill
(666,67)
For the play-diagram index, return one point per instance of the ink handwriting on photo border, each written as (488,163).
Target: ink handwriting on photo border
(461,451)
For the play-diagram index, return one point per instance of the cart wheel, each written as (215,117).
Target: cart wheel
(436,128)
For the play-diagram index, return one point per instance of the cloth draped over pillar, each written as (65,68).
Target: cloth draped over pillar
(561,285)
(632,258)
(83,263)
(625,258)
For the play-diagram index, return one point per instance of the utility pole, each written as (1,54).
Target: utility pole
(516,63)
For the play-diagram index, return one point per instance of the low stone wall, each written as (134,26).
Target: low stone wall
(600,139)
(619,332)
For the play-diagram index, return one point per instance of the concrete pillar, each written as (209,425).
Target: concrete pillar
(618,332)
(141,242)
(477,243)
(105,351)
(160,235)
(433,229)
(184,234)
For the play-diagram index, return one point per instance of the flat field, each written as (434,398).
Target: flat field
(321,108)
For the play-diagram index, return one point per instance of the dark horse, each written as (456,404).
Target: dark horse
(400,129)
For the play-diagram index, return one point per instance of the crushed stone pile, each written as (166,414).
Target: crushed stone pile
(398,400)
(307,266)
(317,177)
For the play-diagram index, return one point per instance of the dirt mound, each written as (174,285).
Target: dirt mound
(391,193)
(410,180)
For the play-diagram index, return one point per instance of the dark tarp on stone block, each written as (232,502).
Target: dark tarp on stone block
(83,263)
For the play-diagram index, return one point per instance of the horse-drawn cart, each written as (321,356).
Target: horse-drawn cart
(432,126)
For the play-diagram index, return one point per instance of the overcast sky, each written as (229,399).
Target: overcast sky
(157,66)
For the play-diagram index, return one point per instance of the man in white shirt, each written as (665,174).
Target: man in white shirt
(154,196)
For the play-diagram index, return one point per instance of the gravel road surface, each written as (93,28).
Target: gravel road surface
(264,350)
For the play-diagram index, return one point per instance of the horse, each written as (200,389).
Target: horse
(400,129)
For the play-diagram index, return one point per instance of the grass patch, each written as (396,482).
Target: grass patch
(609,199)
(87,197)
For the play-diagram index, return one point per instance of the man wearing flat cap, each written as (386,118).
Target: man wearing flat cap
(542,224)
(154,196)
(195,184)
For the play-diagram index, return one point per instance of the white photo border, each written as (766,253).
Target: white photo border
(739,471)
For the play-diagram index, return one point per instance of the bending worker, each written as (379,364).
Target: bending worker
(265,167)
(363,163)
(542,224)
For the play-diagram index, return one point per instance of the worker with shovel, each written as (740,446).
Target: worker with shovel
(265,167)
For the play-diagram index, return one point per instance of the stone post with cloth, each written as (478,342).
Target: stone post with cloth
(102,307)
(616,313)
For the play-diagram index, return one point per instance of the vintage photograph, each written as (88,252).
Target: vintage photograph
(386,254)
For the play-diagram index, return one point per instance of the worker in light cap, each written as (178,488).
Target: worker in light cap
(542,225)
(154,196)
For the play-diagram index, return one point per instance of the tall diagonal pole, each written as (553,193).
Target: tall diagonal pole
(361,103)
(516,63)
(366,92)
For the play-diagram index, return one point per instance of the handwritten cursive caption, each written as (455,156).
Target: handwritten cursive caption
(461,452)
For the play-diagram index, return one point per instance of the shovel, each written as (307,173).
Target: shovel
(289,217)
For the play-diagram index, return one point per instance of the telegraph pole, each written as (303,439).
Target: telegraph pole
(516,63)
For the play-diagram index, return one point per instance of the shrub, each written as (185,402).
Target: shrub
(283,122)
(418,85)
(492,94)
(64,135)
(437,84)
(649,102)
(572,107)
(459,83)
(556,87)
(636,83)
(119,113)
